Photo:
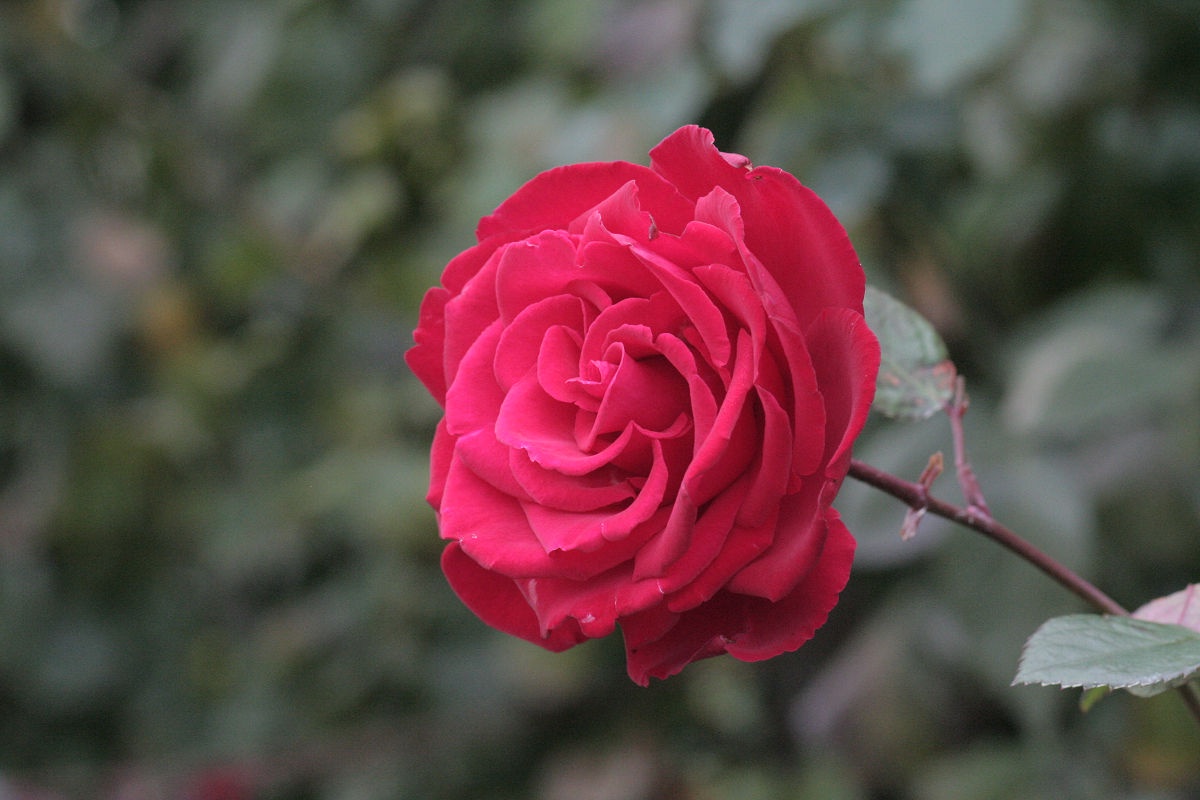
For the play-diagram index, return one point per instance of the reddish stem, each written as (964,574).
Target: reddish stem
(916,498)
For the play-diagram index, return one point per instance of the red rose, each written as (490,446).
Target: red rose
(652,380)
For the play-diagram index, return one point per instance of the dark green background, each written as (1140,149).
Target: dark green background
(218,576)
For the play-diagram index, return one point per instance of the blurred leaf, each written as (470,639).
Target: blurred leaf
(915,378)
(1089,650)
(948,41)
(367,201)
(742,32)
(71,354)
(1099,361)
(721,693)
(1004,770)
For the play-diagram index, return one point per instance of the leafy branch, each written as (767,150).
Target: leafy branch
(1146,653)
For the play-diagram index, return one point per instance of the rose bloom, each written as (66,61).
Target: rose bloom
(652,380)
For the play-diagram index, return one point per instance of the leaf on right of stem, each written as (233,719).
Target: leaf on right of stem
(916,379)
(1088,650)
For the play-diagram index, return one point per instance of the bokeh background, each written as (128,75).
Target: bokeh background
(218,576)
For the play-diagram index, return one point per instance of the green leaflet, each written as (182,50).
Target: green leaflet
(916,380)
(1087,650)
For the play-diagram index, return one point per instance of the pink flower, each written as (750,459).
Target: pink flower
(652,379)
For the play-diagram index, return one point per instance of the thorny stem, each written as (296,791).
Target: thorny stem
(913,495)
(917,498)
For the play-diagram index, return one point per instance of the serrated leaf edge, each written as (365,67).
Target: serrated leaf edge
(1167,683)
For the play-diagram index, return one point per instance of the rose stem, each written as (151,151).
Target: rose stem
(917,498)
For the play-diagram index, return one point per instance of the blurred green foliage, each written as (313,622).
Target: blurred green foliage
(218,576)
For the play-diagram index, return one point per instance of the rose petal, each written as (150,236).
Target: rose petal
(632,321)
(496,600)
(732,290)
(489,524)
(742,545)
(557,197)
(467,315)
(805,438)
(586,532)
(619,213)
(708,537)
(785,625)
(731,442)
(426,358)
(474,401)
(699,244)
(481,453)
(748,628)
(613,270)
(697,305)
(809,406)
(689,159)
(531,420)
(718,460)
(798,539)
(771,477)
(701,382)
(846,358)
(652,652)
(558,364)
(647,392)
(532,270)
(593,605)
(762,291)
(786,224)
(492,529)
(440,455)
(470,262)
(519,349)
(555,263)
(571,493)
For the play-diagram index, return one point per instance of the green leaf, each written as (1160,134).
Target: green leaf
(1101,361)
(1086,650)
(916,379)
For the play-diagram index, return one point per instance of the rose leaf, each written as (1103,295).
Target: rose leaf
(916,379)
(1088,651)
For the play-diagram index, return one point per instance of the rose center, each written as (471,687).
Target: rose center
(647,392)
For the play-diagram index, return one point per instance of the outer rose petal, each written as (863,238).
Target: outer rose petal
(440,455)
(747,628)
(497,601)
(787,226)
(845,356)
(425,359)
(783,626)
(556,198)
